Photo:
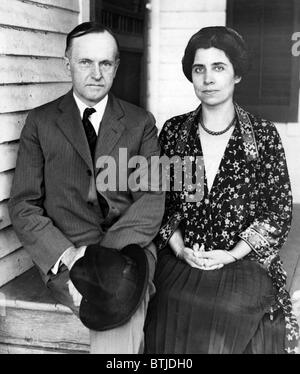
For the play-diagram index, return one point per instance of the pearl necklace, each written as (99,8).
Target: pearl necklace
(216,132)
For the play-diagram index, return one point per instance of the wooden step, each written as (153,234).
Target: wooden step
(32,322)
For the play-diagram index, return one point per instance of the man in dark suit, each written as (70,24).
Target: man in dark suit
(56,208)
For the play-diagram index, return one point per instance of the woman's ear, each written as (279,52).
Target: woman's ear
(237,79)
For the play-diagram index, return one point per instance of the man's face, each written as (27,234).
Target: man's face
(92,61)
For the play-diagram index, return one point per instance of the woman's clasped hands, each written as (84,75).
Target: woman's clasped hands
(197,257)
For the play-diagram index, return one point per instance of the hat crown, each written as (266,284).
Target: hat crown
(115,274)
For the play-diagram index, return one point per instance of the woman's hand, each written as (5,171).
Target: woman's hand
(198,257)
(192,258)
(215,258)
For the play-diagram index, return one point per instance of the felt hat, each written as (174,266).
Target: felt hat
(112,284)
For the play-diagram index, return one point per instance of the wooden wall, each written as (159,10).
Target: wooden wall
(32,42)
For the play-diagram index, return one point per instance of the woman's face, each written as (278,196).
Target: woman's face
(213,77)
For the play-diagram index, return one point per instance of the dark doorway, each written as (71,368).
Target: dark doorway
(271,89)
(126,18)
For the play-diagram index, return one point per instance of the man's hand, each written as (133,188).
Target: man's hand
(69,258)
(76,296)
(71,255)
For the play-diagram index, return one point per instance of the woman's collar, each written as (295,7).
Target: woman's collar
(245,124)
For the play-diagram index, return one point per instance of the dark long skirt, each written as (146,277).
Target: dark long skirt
(218,311)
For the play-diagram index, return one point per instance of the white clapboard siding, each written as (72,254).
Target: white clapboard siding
(170,55)
(8,156)
(188,20)
(11,125)
(176,37)
(31,43)
(25,97)
(64,4)
(19,69)
(5,184)
(4,216)
(9,241)
(14,265)
(167,72)
(195,5)
(33,16)
(32,46)
(179,88)
(174,106)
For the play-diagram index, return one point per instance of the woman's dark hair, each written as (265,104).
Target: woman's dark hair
(89,28)
(221,37)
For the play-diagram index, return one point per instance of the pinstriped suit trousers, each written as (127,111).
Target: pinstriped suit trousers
(126,339)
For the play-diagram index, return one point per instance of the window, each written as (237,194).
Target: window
(271,89)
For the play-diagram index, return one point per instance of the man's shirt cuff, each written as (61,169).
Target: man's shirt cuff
(79,253)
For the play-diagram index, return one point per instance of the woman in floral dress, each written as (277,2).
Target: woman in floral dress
(219,279)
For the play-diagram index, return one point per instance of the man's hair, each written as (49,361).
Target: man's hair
(223,38)
(89,28)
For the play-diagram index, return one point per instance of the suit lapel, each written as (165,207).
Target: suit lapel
(71,125)
(111,128)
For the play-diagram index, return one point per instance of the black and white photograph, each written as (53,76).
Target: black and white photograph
(149,179)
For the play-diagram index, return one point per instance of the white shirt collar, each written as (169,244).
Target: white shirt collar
(96,117)
(99,107)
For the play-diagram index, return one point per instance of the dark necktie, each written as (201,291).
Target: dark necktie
(89,129)
(92,140)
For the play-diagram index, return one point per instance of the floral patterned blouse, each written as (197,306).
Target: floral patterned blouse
(250,198)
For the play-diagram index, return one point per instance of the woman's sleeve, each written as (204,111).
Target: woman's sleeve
(173,213)
(270,228)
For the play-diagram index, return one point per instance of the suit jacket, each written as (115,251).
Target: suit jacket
(54,202)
